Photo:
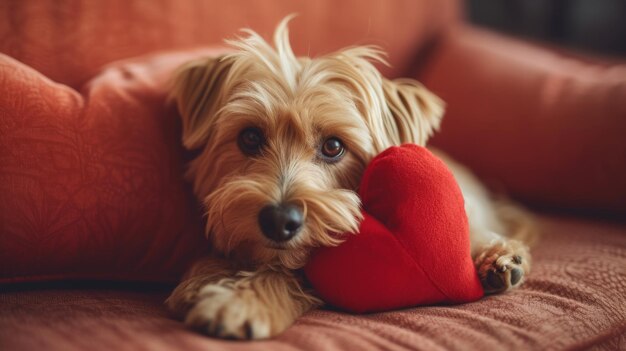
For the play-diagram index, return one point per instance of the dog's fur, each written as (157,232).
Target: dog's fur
(250,287)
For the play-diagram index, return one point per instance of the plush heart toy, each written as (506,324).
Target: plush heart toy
(413,244)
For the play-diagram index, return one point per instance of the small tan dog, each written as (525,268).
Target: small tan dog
(283,142)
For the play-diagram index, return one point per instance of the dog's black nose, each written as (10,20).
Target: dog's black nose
(280,222)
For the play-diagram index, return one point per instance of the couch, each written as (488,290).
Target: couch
(543,125)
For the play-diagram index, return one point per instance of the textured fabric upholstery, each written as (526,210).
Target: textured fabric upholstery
(573,300)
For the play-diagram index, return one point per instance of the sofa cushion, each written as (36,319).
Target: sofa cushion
(550,126)
(91,181)
(69,41)
(573,300)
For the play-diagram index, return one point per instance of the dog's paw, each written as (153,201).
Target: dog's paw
(502,266)
(229,313)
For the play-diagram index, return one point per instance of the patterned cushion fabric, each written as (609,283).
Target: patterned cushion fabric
(573,300)
(91,181)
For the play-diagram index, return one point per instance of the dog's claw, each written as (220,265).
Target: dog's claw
(248,330)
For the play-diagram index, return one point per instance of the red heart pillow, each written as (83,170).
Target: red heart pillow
(413,245)
(91,182)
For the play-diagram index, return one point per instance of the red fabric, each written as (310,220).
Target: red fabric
(91,183)
(546,127)
(69,40)
(413,245)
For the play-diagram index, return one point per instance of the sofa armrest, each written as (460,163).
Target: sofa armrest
(549,128)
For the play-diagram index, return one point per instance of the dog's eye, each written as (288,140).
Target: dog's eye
(332,149)
(250,141)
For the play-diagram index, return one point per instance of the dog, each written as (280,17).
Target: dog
(282,142)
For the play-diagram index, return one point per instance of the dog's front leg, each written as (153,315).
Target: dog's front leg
(234,304)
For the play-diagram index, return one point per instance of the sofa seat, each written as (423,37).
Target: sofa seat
(575,298)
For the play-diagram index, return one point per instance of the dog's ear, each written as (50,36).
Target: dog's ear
(414,112)
(197,91)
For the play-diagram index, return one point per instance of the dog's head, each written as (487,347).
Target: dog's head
(283,141)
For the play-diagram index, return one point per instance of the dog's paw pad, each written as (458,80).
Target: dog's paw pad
(502,266)
(516,276)
(502,278)
(494,280)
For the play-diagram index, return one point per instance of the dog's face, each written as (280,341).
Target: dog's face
(284,142)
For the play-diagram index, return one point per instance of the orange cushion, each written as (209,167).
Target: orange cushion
(549,128)
(91,181)
(69,41)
